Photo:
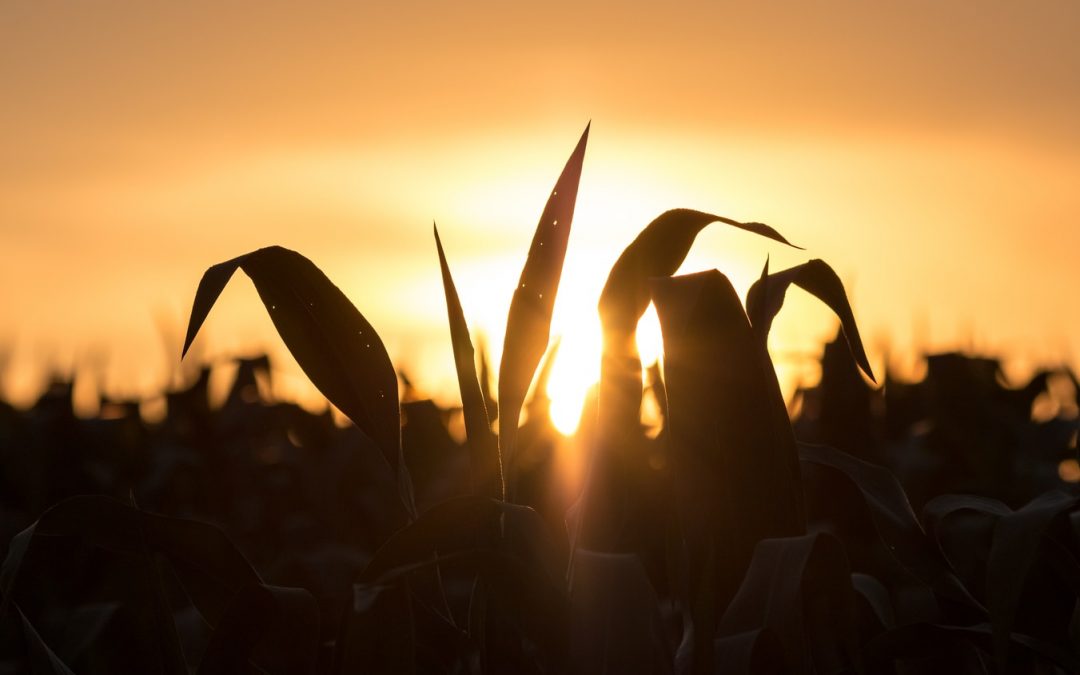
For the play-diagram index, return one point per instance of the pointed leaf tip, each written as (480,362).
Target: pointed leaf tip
(528,323)
(766,297)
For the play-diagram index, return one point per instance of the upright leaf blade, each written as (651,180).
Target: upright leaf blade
(485,461)
(766,297)
(333,343)
(528,325)
(734,459)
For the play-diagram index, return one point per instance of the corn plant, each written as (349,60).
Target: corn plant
(724,562)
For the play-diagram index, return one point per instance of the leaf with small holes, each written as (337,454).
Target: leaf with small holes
(528,324)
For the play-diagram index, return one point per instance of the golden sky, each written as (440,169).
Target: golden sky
(929,151)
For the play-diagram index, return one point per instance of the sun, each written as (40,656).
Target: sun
(577,367)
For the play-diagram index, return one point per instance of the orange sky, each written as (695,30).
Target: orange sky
(929,151)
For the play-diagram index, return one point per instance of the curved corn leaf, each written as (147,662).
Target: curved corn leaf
(657,251)
(457,525)
(893,519)
(208,565)
(528,324)
(334,344)
(485,462)
(800,588)
(766,297)
(1017,542)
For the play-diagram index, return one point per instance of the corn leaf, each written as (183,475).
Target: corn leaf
(334,344)
(528,324)
(42,659)
(615,619)
(485,462)
(800,588)
(452,527)
(734,461)
(657,251)
(1017,543)
(209,566)
(893,518)
(766,297)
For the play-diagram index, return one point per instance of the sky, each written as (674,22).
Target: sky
(928,151)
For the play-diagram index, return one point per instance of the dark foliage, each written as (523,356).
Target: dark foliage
(921,527)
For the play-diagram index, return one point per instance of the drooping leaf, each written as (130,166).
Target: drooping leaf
(800,589)
(733,455)
(287,618)
(658,251)
(528,323)
(1017,539)
(209,566)
(1017,543)
(334,344)
(766,297)
(893,518)
(485,462)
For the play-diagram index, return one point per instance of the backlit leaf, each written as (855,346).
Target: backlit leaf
(766,297)
(485,462)
(528,324)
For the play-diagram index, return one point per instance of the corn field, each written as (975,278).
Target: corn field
(915,527)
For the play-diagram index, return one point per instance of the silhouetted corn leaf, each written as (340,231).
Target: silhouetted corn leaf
(877,598)
(615,619)
(333,343)
(206,562)
(766,297)
(656,252)
(1017,543)
(896,524)
(485,462)
(159,612)
(800,588)
(452,526)
(286,618)
(528,323)
(42,659)
(734,459)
